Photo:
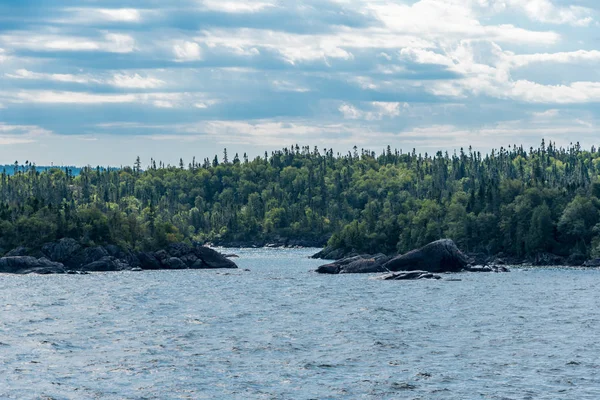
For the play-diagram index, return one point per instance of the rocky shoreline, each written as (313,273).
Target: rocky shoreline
(481,259)
(441,256)
(69,256)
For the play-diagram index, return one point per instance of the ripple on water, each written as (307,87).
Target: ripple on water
(282,332)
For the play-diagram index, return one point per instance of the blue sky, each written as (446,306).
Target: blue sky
(101,82)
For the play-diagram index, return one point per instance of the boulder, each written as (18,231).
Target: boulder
(147,260)
(331,269)
(595,263)
(19,251)
(212,259)
(106,264)
(175,263)
(62,250)
(28,265)
(439,256)
(363,266)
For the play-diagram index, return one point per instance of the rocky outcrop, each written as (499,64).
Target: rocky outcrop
(28,265)
(439,256)
(69,255)
(361,264)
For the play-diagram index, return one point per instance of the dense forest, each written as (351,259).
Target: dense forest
(516,201)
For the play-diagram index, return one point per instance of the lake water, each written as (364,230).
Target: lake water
(280,331)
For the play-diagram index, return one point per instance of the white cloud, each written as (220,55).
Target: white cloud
(187,51)
(112,42)
(92,15)
(20,134)
(25,74)
(121,80)
(135,81)
(546,11)
(156,99)
(235,6)
(375,111)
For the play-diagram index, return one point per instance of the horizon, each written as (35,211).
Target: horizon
(102,83)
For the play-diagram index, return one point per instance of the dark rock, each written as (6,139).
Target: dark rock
(595,263)
(438,256)
(28,265)
(162,256)
(148,261)
(363,266)
(548,259)
(212,258)
(231,256)
(189,259)
(479,268)
(576,259)
(329,269)
(106,264)
(18,252)
(61,251)
(330,253)
(175,263)
(178,250)
(410,275)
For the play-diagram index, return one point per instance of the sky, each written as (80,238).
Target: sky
(86,82)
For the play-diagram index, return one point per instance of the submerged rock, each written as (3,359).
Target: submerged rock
(439,256)
(410,275)
(361,264)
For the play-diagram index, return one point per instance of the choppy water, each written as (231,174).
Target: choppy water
(282,332)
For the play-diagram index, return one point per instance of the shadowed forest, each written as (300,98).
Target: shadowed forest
(521,202)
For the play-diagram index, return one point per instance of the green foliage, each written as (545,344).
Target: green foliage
(514,201)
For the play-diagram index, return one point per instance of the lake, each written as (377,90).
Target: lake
(280,331)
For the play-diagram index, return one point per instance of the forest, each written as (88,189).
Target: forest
(516,201)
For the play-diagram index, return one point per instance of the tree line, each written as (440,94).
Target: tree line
(522,202)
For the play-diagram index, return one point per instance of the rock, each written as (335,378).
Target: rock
(595,263)
(330,253)
(148,261)
(329,269)
(487,268)
(439,256)
(175,263)
(61,251)
(576,259)
(106,264)
(363,266)
(18,252)
(28,265)
(231,256)
(178,250)
(213,259)
(548,259)
(411,275)
(479,268)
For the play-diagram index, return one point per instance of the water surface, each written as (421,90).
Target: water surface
(280,331)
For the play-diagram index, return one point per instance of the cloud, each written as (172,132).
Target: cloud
(546,11)
(376,110)
(109,42)
(187,51)
(157,99)
(20,134)
(235,6)
(135,81)
(120,80)
(94,15)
